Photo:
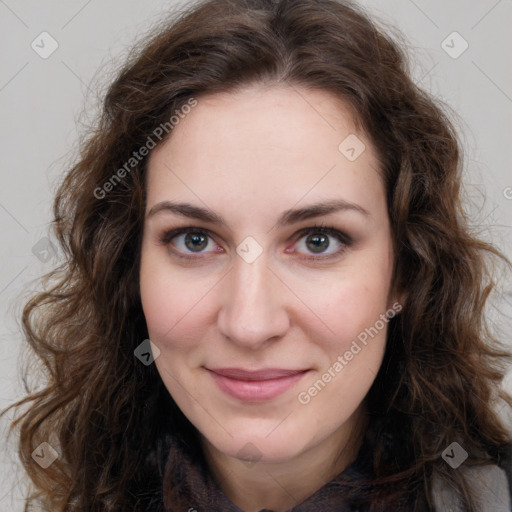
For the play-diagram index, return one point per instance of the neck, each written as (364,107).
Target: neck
(282,485)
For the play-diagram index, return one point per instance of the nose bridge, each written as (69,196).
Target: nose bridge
(253,311)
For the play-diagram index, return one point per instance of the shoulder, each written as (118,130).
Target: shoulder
(491,483)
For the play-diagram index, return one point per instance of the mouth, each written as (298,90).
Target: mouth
(255,385)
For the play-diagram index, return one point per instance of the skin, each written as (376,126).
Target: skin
(249,156)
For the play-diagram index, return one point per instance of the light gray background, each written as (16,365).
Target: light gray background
(41,101)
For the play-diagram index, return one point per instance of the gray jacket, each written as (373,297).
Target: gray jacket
(491,484)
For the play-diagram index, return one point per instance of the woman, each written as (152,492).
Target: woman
(271,298)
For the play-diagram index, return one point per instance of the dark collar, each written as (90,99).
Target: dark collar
(189,487)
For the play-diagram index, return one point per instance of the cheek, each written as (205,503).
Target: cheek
(173,304)
(156,304)
(351,304)
(161,308)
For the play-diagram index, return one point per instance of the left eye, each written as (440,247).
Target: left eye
(189,241)
(317,240)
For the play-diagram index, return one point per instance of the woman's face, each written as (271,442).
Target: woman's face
(270,332)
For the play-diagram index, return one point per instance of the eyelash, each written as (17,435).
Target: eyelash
(344,239)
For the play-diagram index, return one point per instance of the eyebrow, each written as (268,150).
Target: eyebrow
(288,217)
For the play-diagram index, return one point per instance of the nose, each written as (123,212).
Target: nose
(254,312)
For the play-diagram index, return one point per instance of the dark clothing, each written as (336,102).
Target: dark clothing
(197,490)
(188,486)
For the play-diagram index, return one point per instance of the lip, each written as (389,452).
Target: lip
(255,385)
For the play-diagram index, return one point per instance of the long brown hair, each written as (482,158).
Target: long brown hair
(105,413)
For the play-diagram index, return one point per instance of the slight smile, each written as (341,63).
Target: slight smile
(255,385)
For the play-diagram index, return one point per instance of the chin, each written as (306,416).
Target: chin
(255,445)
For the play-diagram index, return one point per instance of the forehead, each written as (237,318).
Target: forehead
(271,145)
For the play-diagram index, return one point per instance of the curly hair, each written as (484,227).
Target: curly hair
(107,414)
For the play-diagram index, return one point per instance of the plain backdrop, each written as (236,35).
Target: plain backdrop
(461,53)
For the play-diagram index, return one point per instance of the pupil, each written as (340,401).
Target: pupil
(317,242)
(196,241)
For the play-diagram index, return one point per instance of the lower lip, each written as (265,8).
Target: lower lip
(255,390)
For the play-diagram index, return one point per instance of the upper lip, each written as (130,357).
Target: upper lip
(263,374)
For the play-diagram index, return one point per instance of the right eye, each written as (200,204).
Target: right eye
(188,241)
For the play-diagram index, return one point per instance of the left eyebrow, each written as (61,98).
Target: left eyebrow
(319,209)
(288,217)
